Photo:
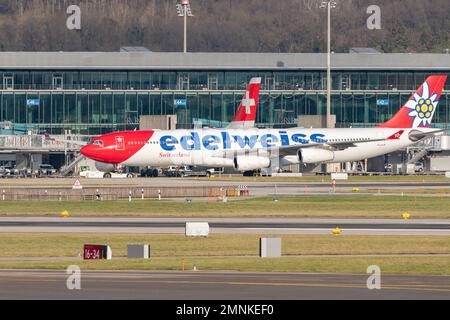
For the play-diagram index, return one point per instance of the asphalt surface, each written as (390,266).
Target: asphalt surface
(224,225)
(193,285)
(233,225)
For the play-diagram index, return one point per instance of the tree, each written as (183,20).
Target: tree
(224,25)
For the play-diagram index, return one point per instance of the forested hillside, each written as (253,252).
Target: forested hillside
(224,25)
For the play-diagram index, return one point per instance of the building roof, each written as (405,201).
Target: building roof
(363,50)
(222,61)
(134,49)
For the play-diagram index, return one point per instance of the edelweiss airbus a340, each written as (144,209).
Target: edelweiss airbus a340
(244,147)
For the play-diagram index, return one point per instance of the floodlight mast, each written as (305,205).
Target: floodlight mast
(184,10)
(330,4)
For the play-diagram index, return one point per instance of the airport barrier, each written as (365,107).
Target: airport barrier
(214,193)
(232,193)
(229,191)
(339,176)
(111,193)
(243,190)
(287,174)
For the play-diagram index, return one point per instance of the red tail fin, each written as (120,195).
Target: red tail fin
(418,111)
(246,113)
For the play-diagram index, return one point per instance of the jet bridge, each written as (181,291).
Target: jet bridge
(28,150)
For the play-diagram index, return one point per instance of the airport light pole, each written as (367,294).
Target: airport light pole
(330,4)
(184,10)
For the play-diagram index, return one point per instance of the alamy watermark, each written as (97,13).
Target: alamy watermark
(374,20)
(74,19)
(73,281)
(374,280)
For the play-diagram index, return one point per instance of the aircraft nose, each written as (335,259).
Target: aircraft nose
(88,150)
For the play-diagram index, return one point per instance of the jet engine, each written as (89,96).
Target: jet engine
(314,155)
(244,163)
(105,167)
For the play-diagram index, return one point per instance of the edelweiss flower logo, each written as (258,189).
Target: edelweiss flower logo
(422,107)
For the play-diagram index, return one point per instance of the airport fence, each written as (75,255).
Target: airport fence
(114,193)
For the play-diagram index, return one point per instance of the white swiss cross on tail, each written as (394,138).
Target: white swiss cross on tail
(247,102)
(246,113)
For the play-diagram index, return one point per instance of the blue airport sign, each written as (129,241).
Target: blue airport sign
(180,102)
(33,102)
(382,102)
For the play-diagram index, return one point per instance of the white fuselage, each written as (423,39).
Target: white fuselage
(218,147)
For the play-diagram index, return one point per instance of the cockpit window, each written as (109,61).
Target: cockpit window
(98,142)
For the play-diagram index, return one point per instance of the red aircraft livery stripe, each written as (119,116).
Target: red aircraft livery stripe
(117,147)
(396,135)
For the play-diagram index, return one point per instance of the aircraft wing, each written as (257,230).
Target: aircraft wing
(335,145)
(292,149)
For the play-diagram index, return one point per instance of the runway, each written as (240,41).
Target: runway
(163,285)
(224,225)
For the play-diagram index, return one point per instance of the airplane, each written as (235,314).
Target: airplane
(243,147)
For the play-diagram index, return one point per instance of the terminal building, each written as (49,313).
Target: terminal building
(91,93)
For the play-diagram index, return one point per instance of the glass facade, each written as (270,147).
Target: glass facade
(95,102)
